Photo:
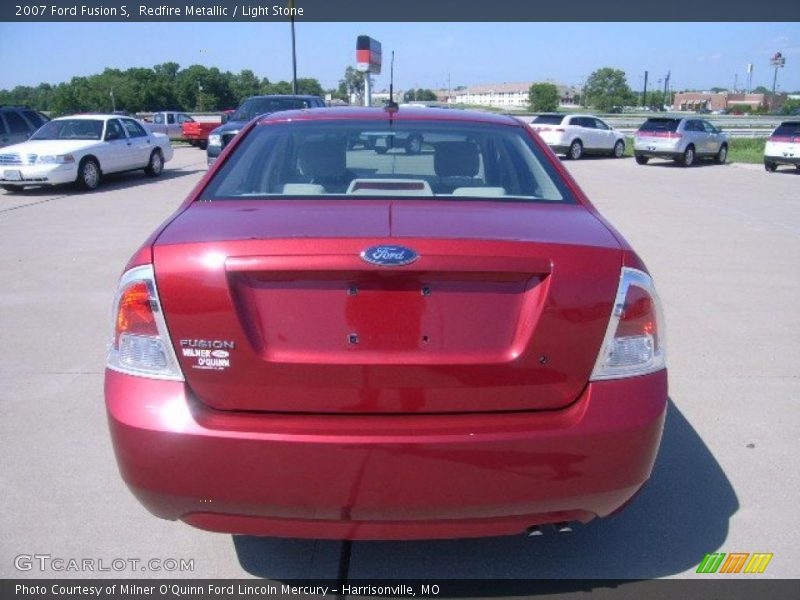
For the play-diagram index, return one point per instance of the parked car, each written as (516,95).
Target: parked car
(170,123)
(682,139)
(576,135)
(197,132)
(251,108)
(783,146)
(17,123)
(81,149)
(367,346)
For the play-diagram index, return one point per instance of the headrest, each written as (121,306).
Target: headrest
(323,159)
(456,159)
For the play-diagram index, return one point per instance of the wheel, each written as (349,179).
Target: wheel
(369,143)
(202,144)
(722,155)
(156,164)
(12,188)
(381,149)
(193,143)
(575,150)
(770,166)
(642,160)
(414,144)
(88,174)
(687,160)
(619,149)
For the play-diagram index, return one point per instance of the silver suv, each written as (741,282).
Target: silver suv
(17,123)
(684,140)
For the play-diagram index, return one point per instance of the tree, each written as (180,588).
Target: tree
(607,89)
(245,84)
(352,83)
(761,90)
(419,95)
(543,97)
(717,90)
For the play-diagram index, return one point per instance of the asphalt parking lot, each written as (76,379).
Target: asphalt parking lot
(722,242)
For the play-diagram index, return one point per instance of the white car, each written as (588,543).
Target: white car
(81,149)
(783,146)
(574,135)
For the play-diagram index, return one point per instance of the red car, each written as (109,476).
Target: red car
(327,341)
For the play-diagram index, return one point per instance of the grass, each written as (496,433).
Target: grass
(743,150)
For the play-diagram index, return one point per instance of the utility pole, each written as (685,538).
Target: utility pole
(644,91)
(749,77)
(735,81)
(294,52)
(666,88)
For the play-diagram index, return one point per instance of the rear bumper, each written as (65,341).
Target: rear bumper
(658,153)
(384,477)
(782,160)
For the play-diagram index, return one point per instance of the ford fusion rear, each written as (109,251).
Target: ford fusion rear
(333,339)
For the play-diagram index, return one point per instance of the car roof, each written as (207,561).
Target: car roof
(790,122)
(301,96)
(404,113)
(94,116)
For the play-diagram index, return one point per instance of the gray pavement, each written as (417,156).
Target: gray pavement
(723,244)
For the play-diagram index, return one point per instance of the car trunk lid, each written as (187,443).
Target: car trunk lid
(271,308)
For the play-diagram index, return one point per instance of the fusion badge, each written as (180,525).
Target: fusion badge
(389,256)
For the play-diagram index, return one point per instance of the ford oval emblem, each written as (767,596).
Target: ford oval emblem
(389,256)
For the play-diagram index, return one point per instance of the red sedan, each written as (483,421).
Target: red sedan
(339,339)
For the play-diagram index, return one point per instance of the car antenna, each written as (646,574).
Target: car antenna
(391,105)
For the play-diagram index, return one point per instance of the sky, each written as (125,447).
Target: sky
(698,55)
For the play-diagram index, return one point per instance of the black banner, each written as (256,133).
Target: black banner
(734,588)
(396,10)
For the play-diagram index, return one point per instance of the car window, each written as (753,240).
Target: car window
(660,125)
(600,125)
(170,119)
(159,119)
(133,128)
(708,127)
(3,129)
(693,125)
(254,107)
(16,124)
(789,128)
(114,130)
(587,122)
(70,129)
(34,118)
(549,119)
(344,159)
(182,118)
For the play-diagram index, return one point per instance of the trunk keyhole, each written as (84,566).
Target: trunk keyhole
(353,338)
(426,291)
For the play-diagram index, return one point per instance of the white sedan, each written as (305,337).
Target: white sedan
(81,149)
(576,135)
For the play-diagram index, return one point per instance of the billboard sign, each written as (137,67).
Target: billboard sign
(778,60)
(368,55)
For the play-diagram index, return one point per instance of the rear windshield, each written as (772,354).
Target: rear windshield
(660,125)
(342,159)
(790,128)
(549,119)
(70,129)
(259,106)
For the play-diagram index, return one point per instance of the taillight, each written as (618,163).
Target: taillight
(634,340)
(785,138)
(141,344)
(662,134)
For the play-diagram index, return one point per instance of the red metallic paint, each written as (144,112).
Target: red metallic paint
(384,477)
(462,440)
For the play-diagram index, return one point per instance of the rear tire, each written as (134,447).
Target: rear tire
(619,149)
(88,174)
(770,167)
(642,160)
(575,150)
(12,188)
(687,160)
(155,166)
(202,144)
(722,156)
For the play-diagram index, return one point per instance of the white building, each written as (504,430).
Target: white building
(506,95)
